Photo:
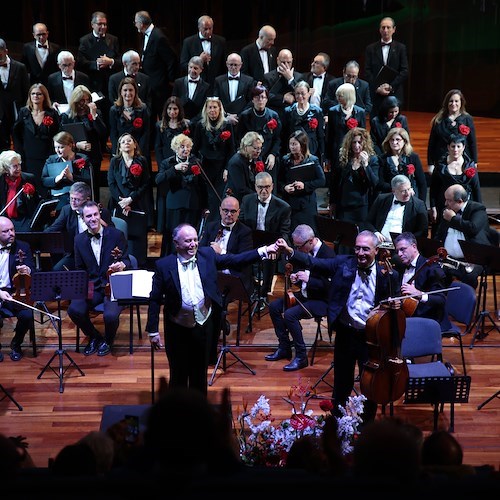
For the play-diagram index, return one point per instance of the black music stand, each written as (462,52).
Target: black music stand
(428,247)
(338,232)
(488,257)
(8,395)
(232,288)
(59,285)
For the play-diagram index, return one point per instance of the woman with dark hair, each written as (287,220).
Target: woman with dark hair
(451,119)
(455,168)
(266,122)
(301,174)
(171,124)
(33,131)
(399,158)
(388,117)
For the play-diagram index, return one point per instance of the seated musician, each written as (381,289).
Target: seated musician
(397,212)
(420,275)
(15,258)
(70,222)
(310,301)
(97,251)
(357,286)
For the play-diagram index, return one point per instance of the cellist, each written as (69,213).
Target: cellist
(357,285)
(10,267)
(420,275)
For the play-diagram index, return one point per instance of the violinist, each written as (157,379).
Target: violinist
(309,301)
(95,253)
(420,275)
(358,284)
(10,265)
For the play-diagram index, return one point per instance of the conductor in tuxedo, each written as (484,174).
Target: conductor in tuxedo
(40,55)
(98,250)
(210,47)
(398,212)
(260,56)
(386,52)
(185,283)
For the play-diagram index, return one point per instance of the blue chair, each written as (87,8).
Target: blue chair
(121,225)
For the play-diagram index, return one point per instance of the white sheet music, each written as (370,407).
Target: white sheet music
(142,282)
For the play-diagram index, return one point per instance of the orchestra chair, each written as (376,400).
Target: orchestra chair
(7,314)
(121,225)
(459,308)
(99,309)
(318,337)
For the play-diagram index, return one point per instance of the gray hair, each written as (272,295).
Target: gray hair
(399,179)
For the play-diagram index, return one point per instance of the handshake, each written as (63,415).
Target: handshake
(278,248)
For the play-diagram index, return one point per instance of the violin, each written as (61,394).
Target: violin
(385,374)
(21,282)
(290,299)
(116,253)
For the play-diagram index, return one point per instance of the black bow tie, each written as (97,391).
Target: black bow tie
(97,236)
(386,44)
(409,267)
(194,81)
(5,248)
(40,46)
(67,78)
(397,202)
(263,203)
(233,77)
(311,253)
(205,40)
(227,228)
(317,76)
(262,50)
(4,65)
(130,76)
(365,270)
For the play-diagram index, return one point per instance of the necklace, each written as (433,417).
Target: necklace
(128,109)
(301,112)
(260,115)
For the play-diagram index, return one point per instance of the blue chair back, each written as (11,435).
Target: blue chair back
(422,338)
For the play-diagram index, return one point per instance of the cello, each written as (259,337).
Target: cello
(385,374)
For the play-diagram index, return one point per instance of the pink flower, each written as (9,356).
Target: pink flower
(135,168)
(272,124)
(259,166)
(225,135)
(186,131)
(398,124)
(313,123)
(470,172)
(410,168)
(464,129)
(137,123)
(79,163)
(28,189)
(352,123)
(48,121)
(196,170)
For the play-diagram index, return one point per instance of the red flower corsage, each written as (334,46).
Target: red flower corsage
(259,166)
(137,123)
(313,123)
(90,117)
(464,129)
(398,125)
(470,172)
(351,123)
(272,124)
(28,189)
(196,170)
(48,121)
(186,131)
(79,163)
(135,168)
(410,168)
(225,135)
(326,405)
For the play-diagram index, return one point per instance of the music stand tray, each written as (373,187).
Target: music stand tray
(59,285)
(232,288)
(338,232)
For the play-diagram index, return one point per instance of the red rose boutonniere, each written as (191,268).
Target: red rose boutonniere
(470,172)
(398,125)
(137,123)
(272,124)
(196,170)
(28,189)
(225,135)
(352,123)
(464,129)
(48,121)
(135,169)
(259,166)
(79,164)
(313,123)
(90,117)
(410,168)
(186,131)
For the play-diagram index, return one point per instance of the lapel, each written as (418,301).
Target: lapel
(174,272)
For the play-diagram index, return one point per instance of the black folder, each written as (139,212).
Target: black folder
(385,75)
(77,130)
(303,172)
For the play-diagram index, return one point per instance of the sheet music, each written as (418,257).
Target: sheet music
(142,283)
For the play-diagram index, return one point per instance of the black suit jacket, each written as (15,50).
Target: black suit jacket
(55,85)
(192,107)
(278,87)
(415,218)
(363,98)
(37,73)
(143,85)
(252,63)
(243,94)
(192,46)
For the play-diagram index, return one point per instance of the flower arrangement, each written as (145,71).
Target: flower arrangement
(137,123)
(464,129)
(410,168)
(225,135)
(351,123)
(265,442)
(313,123)
(271,125)
(28,189)
(48,121)
(135,169)
(259,166)
(196,170)
(470,172)
(79,163)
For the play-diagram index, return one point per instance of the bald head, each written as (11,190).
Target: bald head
(267,36)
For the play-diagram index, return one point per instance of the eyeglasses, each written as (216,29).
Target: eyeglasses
(36,93)
(263,187)
(229,211)
(299,247)
(234,64)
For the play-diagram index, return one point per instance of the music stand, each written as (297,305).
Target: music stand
(8,395)
(338,232)
(59,285)
(488,257)
(428,247)
(232,288)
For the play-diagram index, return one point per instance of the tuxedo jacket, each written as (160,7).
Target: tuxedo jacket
(342,271)
(363,98)
(85,259)
(252,63)
(278,215)
(473,223)
(243,94)
(55,85)
(16,91)
(89,50)
(37,73)
(192,107)
(192,46)
(415,218)
(28,260)
(143,84)
(278,87)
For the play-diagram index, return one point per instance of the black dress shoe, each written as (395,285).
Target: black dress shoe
(279,354)
(91,347)
(16,354)
(296,364)
(104,349)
